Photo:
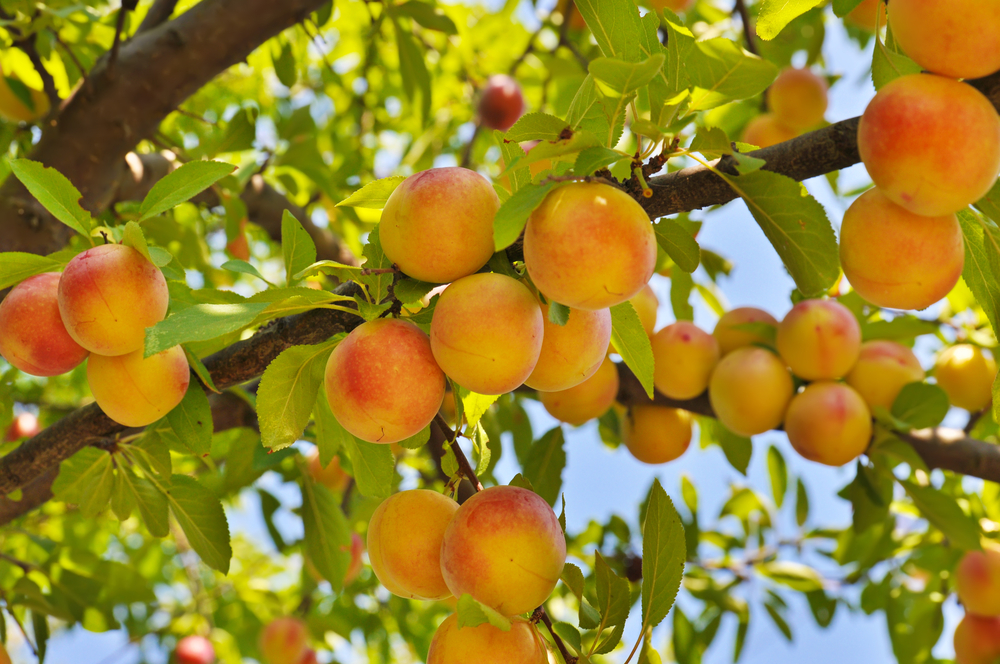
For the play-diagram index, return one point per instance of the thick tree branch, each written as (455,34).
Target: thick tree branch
(159,13)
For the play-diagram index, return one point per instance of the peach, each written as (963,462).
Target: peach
(589,246)
(750,390)
(819,339)
(909,137)
(729,334)
(894,258)
(136,391)
(684,356)
(798,98)
(586,401)
(354,568)
(501,103)
(382,382)
(194,650)
(405,537)
(505,548)
(486,644)
(309,657)
(333,477)
(675,6)
(24,425)
(654,434)
(4,657)
(284,640)
(646,303)
(883,369)
(829,423)
(486,333)
(977,640)
(32,335)
(977,581)
(866,15)
(573,352)
(766,130)
(448,407)
(958,38)
(966,373)
(437,226)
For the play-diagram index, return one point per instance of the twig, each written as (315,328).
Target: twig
(116,44)
(17,622)
(463,462)
(72,56)
(741,9)
(974,419)
(467,152)
(527,50)
(25,566)
(159,13)
(317,39)
(540,614)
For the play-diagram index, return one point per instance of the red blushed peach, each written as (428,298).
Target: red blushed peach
(486,332)
(309,657)
(501,103)
(766,130)
(646,303)
(977,580)
(405,537)
(966,374)
(25,425)
(654,434)
(675,6)
(589,246)
(573,352)
(437,226)
(108,296)
(382,382)
(333,477)
(4,657)
(729,335)
(977,640)
(194,650)
(586,401)
(354,568)
(882,370)
(32,335)
(958,38)
(683,359)
(750,390)
(505,548)
(486,644)
(798,98)
(819,339)
(909,137)
(829,423)
(866,15)
(896,259)
(284,640)
(136,391)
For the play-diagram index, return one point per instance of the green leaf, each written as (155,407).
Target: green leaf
(475,405)
(87,479)
(513,214)
(558,313)
(428,16)
(778,472)
(284,65)
(678,243)
(181,185)
(375,259)
(288,391)
(774,15)
(982,253)
(132,237)
(297,247)
(663,553)
(152,503)
(122,500)
(778,620)
(596,158)
(794,575)
(842,8)
(536,127)
(681,285)
(200,322)
(614,597)
(331,437)
(722,72)
(737,449)
(472,614)
(615,25)
(374,194)
(241,266)
(579,141)
(16,266)
(888,60)
(191,420)
(617,78)
(201,517)
(921,405)
(373,467)
(511,153)
(945,515)
(631,342)
(327,534)
(408,290)
(801,503)
(54,192)
(544,465)
(572,576)
(413,69)
(417,440)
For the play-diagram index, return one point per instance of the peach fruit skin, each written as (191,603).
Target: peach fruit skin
(108,296)
(382,382)
(829,423)
(4,657)
(437,226)
(505,548)
(766,130)
(977,640)
(958,38)
(730,337)
(967,375)
(24,425)
(486,644)
(866,14)
(798,98)
(136,391)
(589,246)
(194,650)
(404,542)
(977,581)
(683,359)
(645,304)
(894,258)
(750,390)
(883,369)
(333,477)
(819,339)
(284,640)
(582,403)
(502,102)
(655,434)
(32,335)
(573,352)
(911,132)
(486,332)
(673,5)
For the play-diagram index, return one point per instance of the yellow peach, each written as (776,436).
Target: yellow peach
(866,15)
(977,640)
(573,352)
(798,98)
(486,644)
(646,303)
(675,6)
(333,477)
(819,339)
(284,640)
(586,401)
(729,335)
(977,581)
(766,130)
(136,391)
(683,359)
(655,434)
(32,335)
(966,373)
(883,369)
(750,390)
(958,38)
(829,423)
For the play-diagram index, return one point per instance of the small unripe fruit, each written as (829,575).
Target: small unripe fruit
(486,644)
(502,103)
(646,303)
(573,352)
(967,375)
(284,640)
(958,38)
(729,335)
(194,650)
(766,130)
(882,370)
(333,477)
(24,425)
(683,359)
(32,335)
(819,339)
(654,434)
(750,390)
(586,401)
(977,580)
(798,98)
(136,391)
(829,423)
(977,640)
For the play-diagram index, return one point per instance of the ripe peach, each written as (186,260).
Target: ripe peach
(194,650)
(654,434)
(675,6)
(589,246)
(333,477)
(382,382)
(646,303)
(437,226)
(766,130)
(501,103)
(960,38)
(750,390)
(729,335)
(239,246)
(977,640)
(404,542)
(977,581)
(582,403)
(819,339)
(486,333)
(798,98)
(448,407)
(24,425)
(309,657)
(284,640)
(354,568)
(829,423)
(684,356)
(866,14)
(32,335)
(967,375)
(505,548)
(486,644)
(4,657)
(894,258)
(908,141)
(882,370)
(137,391)
(573,352)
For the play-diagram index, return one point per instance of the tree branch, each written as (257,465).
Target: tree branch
(159,13)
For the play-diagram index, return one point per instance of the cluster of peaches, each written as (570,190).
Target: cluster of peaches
(99,306)
(796,103)
(977,580)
